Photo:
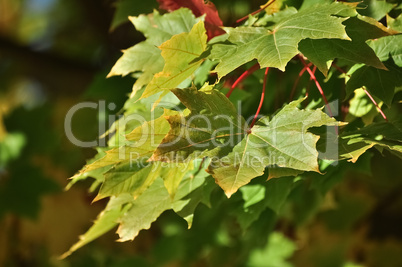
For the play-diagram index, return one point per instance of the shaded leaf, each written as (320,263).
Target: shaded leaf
(321,52)
(351,145)
(380,83)
(389,46)
(375,9)
(257,198)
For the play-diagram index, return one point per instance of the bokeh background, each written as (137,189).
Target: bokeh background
(57,53)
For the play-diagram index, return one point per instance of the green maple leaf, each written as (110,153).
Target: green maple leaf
(353,144)
(137,214)
(275,46)
(380,83)
(375,9)
(322,52)
(129,172)
(182,56)
(145,57)
(143,140)
(283,141)
(135,178)
(389,46)
(149,206)
(212,128)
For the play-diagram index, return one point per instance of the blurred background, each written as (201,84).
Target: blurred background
(53,55)
(57,53)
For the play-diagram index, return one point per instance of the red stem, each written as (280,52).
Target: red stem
(309,82)
(245,74)
(339,69)
(365,91)
(317,84)
(292,93)
(375,103)
(255,12)
(262,98)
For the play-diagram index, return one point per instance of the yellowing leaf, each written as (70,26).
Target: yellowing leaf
(145,57)
(180,54)
(143,141)
(212,128)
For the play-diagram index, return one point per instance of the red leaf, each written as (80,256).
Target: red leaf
(198,7)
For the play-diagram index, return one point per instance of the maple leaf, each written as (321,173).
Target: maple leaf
(276,45)
(199,8)
(380,83)
(211,129)
(143,140)
(135,214)
(145,56)
(321,52)
(149,206)
(181,54)
(282,141)
(389,46)
(351,145)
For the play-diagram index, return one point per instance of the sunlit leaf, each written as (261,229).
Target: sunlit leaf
(212,128)
(145,57)
(275,46)
(181,55)
(282,141)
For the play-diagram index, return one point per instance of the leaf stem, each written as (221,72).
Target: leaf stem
(317,84)
(255,12)
(309,82)
(375,104)
(245,74)
(340,69)
(292,93)
(262,98)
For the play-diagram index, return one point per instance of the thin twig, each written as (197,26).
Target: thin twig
(317,84)
(365,91)
(375,104)
(262,98)
(245,74)
(292,93)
